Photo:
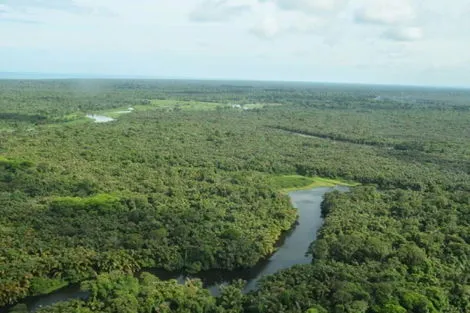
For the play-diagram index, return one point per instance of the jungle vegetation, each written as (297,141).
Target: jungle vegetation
(190,182)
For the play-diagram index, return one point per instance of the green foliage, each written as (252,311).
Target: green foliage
(294,181)
(117,292)
(97,202)
(417,303)
(390,308)
(288,183)
(231,297)
(42,285)
(179,187)
(10,164)
(316,309)
(367,257)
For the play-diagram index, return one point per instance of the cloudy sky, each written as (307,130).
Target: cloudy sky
(423,42)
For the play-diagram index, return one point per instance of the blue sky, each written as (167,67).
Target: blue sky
(419,42)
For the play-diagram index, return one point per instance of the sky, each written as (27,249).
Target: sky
(406,42)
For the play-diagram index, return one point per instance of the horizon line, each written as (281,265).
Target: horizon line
(85,76)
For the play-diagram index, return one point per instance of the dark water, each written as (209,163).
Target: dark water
(66,293)
(292,250)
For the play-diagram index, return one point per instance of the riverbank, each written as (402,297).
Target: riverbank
(291,251)
(289,183)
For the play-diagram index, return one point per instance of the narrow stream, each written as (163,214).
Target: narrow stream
(292,250)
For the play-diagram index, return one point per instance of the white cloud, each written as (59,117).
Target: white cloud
(267,28)
(404,34)
(276,25)
(356,40)
(305,25)
(282,18)
(64,5)
(217,11)
(386,12)
(38,11)
(309,6)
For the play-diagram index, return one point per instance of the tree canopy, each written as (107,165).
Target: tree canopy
(189,182)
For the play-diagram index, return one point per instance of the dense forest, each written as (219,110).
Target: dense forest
(187,182)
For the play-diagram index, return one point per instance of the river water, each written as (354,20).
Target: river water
(100,118)
(291,250)
(106,119)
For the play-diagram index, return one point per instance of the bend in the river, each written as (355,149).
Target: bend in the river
(292,251)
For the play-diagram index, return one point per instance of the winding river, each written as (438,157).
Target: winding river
(291,250)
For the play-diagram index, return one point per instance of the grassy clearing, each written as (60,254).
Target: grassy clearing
(115,113)
(205,106)
(158,104)
(81,118)
(252,106)
(288,183)
(98,201)
(187,105)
